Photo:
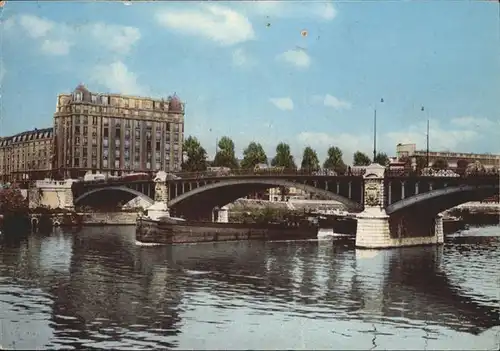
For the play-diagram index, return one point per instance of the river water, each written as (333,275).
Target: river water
(95,289)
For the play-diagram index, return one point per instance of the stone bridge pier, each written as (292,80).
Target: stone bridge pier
(377,229)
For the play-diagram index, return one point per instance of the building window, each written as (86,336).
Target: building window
(77,129)
(158,145)
(137,133)
(93,98)
(94,152)
(94,141)
(94,120)
(105,121)
(105,153)
(105,163)
(85,152)
(77,162)
(158,166)
(94,162)
(148,165)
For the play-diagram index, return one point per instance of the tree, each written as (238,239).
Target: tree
(382,159)
(253,155)
(462,166)
(12,201)
(361,159)
(310,160)
(225,156)
(283,157)
(334,160)
(440,163)
(196,156)
(421,163)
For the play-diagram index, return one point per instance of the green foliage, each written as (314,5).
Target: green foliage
(253,155)
(421,163)
(283,157)
(334,160)
(382,159)
(225,156)
(310,160)
(361,159)
(12,201)
(196,156)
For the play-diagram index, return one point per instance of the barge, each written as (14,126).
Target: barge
(171,230)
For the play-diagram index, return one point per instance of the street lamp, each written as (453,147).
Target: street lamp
(375,131)
(427,137)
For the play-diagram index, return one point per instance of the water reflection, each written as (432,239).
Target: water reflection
(96,289)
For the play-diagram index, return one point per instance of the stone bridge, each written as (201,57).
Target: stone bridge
(393,210)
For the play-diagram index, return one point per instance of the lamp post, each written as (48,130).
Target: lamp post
(427,137)
(375,131)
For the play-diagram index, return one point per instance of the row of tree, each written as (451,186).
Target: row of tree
(254,154)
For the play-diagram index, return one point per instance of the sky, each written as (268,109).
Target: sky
(306,73)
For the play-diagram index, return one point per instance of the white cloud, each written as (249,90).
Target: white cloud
(217,23)
(322,10)
(441,139)
(56,47)
(58,38)
(327,11)
(34,26)
(475,123)
(241,58)
(332,101)
(119,38)
(298,58)
(117,78)
(285,103)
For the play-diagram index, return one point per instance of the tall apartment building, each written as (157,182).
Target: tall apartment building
(117,134)
(27,155)
(410,150)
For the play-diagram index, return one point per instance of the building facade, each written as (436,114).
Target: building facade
(27,155)
(117,134)
(410,151)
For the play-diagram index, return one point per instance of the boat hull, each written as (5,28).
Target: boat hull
(171,232)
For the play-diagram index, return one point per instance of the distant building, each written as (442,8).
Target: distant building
(27,155)
(117,134)
(410,151)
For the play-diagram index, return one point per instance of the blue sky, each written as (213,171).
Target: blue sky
(245,69)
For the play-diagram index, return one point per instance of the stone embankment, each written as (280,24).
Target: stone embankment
(111,218)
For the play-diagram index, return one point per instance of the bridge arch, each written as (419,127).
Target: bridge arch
(114,188)
(268,183)
(472,190)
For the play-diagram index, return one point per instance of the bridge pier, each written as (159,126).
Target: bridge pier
(378,230)
(159,208)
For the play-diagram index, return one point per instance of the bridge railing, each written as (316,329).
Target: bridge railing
(277,171)
(448,173)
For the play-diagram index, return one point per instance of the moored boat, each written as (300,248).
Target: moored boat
(171,230)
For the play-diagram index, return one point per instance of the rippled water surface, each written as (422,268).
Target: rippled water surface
(96,289)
